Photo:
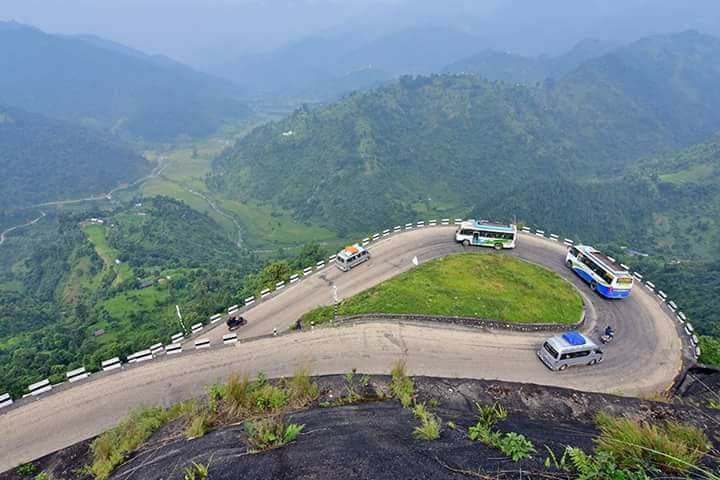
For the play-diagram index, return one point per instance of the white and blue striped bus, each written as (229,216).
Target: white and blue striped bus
(602,273)
(486,234)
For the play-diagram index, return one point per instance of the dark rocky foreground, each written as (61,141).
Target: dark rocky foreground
(373,439)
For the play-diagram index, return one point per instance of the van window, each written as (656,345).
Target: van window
(550,350)
(582,353)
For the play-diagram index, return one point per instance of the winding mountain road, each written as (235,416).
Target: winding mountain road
(4,234)
(644,359)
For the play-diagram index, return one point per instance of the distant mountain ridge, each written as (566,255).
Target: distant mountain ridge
(99,83)
(324,68)
(440,144)
(514,68)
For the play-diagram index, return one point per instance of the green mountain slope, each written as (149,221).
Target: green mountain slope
(100,83)
(448,143)
(44,160)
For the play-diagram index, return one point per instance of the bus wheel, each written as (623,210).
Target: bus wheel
(569,264)
(466,243)
(498,246)
(593,286)
(562,367)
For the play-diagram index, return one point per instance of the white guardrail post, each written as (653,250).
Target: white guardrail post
(202,343)
(173,348)
(230,339)
(5,400)
(76,375)
(39,387)
(111,364)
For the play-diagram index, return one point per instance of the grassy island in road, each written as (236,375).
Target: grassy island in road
(490,286)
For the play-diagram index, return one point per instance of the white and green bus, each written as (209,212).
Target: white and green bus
(486,234)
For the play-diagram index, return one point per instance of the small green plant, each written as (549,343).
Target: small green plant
(292,431)
(714,404)
(588,467)
(302,391)
(434,403)
(430,424)
(270,432)
(352,395)
(451,425)
(512,444)
(198,426)
(197,471)
(401,385)
(42,476)
(216,392)
(26,470)
(516,446)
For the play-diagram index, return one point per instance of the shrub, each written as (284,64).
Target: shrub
(26,470)
(670,447)
(401,385)
(270,432)
(516,446)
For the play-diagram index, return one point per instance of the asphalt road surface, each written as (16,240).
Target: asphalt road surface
(643,360)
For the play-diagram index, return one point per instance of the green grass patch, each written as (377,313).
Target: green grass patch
(497,287)
(110,448)
(268,226)
(670,446)
(96,235)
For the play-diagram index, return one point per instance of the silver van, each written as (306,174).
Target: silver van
(568,349)
(350,256)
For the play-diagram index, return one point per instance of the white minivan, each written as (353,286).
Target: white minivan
(351,256)
(568,349)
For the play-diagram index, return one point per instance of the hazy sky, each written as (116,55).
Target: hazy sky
(205,31)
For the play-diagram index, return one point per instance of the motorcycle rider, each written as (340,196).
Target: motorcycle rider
(609,332)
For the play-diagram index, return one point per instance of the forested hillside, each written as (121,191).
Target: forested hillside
(76,291)
(44,159)
(86,79)
(447,143)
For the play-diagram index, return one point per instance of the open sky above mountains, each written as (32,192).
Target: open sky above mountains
(199,33)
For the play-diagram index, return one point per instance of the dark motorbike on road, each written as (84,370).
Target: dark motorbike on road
(608,336)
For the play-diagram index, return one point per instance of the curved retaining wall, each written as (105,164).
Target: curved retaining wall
(471,322)
(685,329)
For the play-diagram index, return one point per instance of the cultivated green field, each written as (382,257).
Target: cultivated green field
(96,235)
(481,285)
